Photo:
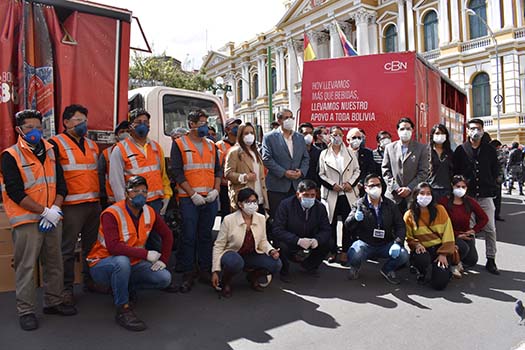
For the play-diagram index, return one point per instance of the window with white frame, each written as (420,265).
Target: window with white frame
(391,38)
(477,28)
(430,30)
(481,95)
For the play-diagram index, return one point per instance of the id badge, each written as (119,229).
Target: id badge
(379,233)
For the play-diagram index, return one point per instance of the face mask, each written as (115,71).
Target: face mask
(423,200)
(307,203)
(33,137)
(211,138)
(81,129)
(439,139)
(459,192)
(355,143)
(337,140)
(374,192)
(404,135)
(326,138)
(308,139)
(288,124)
(138,201)
(235,130)
(202,130)
(475,135)
(142,130)
(249,139)
(384,142)
(123,136)
(250,208)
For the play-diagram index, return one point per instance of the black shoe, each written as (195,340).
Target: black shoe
(68,298)
(390,277)
(499,218)
(61,309)
(126,318)
(491,266)
(285,277)
(28,322)
(187,282)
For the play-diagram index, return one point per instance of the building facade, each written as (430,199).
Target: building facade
(478,44)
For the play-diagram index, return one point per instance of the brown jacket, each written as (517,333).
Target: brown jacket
(238,163)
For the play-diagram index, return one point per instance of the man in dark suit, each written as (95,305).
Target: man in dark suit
(285,156)
(307,129)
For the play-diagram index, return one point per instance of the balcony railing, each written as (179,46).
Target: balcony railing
(521,120)
(475,44)
(488,121)
(431,55)
(519,33)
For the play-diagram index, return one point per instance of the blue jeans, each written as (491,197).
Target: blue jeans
(196,239)
(234,263)
(117,272)
(359,252)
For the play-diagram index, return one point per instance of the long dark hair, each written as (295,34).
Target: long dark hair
(446,145)
(466,203)
(244,146)
(416,210)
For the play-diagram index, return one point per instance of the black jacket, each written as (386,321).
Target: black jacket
(367,165)
(313,167)
(392,222)
(480,167)
(292,222)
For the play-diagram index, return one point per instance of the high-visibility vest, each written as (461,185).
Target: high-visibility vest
(146,165)
(109,192)
(80,170)
(126,229)
(39,182)
(199,171)
(223,147)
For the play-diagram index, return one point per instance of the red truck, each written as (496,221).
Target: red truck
(373,92)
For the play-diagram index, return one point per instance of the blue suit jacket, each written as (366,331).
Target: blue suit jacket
(277,160)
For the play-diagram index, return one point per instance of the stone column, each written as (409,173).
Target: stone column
(293,74)
(401,41)
(245,70)
(457,75)
(361,20)
(512,95)
(420,47)
(454,10)
(494,15)
(261,72)
(443,23)
(411,28)
(372,34)
(230,80)
(321,40)
(279,67)
(508,13)
(519,12)
(336,49)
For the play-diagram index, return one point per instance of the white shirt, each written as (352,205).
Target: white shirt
(258,187)
(288,140)
(340,162)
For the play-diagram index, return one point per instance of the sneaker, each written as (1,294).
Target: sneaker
(460,267)
(390,277)
(491,266)
(28,322)
(126,318)
(61,309)
(353,273)
(456,273)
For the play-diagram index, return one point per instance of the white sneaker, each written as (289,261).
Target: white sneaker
(455,271)
(460,267)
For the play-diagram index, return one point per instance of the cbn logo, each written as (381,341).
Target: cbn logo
(395,66)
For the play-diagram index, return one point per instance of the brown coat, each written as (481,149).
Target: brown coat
(238,163)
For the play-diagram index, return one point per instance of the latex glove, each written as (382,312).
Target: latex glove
(52,215)
(165,203)
(304,243)
(45,226)
(212,196)
(314,244)
(359,216)
(158,266)
(153,256)
(197,199)
(394,251)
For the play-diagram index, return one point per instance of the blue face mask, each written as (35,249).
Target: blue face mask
(33,137)
(307,203)
(138,201)
(235,130)
(142,130)
(202,130)
(81,129)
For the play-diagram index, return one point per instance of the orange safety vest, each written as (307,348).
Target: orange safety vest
(127,232)
(224,147)
(109,192)
(39,182)
(199,171)
(146,165)
(80,170)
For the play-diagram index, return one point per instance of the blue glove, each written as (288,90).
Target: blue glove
(359,216)
(394,250)
(45,225)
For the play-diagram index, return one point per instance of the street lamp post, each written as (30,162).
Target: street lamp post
(498,99)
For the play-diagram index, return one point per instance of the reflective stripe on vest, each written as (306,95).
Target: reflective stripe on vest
(82,196)
(72,161)
(21,218)
(31,181)
(196,189)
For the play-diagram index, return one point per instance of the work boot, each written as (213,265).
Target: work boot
(226,284)
(28,322)
(68,298)
(61,309)
(126,318)
(491,266)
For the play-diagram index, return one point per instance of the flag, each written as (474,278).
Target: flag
(309,53)
(348,49)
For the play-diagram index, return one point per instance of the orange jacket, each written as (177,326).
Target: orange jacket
(109,192)
(198,170)
(146,165)
(127,232)
(80,170)
(224,148)
(39,182)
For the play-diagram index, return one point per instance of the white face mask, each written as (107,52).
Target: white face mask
(249,139)
(289,124)
(250,208)
(337,140)
(439,138)
(405,135)
(384,142)
(308,139)
(374,192)
(423,200)
(355,143)
(459,192)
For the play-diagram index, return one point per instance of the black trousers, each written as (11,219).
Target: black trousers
(312,262)
(497,202)
(425,264)
(342,208)
(467,251)
(275,198)
(225,201)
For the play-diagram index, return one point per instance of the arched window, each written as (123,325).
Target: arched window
(476,26)
(274,79)
(481,95)
(255,86)
(430,28)
(239,91)
(391,38)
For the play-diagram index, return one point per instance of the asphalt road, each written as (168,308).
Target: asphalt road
(329,312)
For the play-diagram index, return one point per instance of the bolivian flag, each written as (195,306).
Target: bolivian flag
(309,53)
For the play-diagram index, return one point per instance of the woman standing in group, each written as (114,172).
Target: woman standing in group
(441,161)
(430,237)
(460,208)
(244,168)
(338,169)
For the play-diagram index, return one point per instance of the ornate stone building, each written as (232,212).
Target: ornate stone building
(458,36)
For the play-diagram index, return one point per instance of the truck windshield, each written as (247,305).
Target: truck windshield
(176,109)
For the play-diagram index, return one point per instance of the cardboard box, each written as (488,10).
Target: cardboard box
(6,241)
(4,222)
(7,273)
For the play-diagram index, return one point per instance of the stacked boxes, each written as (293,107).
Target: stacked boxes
(7,271)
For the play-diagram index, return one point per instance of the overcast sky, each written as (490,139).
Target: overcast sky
(179,27)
